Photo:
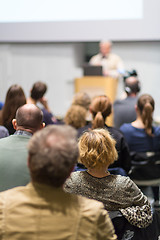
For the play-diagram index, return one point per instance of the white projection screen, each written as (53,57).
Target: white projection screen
(79,21)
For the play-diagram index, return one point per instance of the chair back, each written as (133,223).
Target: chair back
(145,170)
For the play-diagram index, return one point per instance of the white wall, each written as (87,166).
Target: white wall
(58,64)
(55,64)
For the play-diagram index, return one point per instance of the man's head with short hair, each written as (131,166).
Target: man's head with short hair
(53,153)
(132,85)
(28,117)
(38,90)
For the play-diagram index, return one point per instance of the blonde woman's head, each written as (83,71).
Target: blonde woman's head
(76,116)
(97,149)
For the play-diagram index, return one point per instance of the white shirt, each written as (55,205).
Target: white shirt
(112,64)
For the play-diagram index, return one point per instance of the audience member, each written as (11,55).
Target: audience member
(101,108)
(111,63)
(14,99)
(3,132)
(42,208)
(37,95)
(97,152)
(76,116)
(124,110)
(83,99)
(1,105)
(13,158)
(141,135)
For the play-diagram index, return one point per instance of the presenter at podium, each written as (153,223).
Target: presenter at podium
(111,63)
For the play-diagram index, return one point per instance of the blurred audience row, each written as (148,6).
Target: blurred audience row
(109,157)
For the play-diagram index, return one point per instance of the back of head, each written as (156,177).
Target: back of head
(145,106)
(53,151)
(14,99)
(82,99)
(76,116)
(100,108)
(97,149)
(38,90)
(29,116)
(132,85)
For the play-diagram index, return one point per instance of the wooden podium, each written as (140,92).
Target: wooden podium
(97,85)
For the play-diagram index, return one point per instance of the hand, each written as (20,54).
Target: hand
(44,102)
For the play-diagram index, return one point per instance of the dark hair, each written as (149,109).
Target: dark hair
(15,98)
(132,85)
(100,108)
(38,90)
(145,105)
(53,151)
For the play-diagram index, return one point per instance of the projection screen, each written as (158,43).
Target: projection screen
(85,20)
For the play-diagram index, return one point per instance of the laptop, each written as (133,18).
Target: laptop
(90,70)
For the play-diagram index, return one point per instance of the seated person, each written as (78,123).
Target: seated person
(37,95)
(124,109)
(42,210)
(15,98)
(76,116)
(97,152)
(1,105)
(83,99)
(100,109)
(3,132)
(141,135)
(13,158)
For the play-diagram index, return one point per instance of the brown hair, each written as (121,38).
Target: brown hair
(15,98)
(97,149)
(76,116)
(145,105)
(53,152)
(100,108)
(38,90)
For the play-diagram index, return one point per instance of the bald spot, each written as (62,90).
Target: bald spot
(29,116)
(131,81)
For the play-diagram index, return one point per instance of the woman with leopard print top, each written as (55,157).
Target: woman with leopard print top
(97,152)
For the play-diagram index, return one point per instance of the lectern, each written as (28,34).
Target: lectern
(97,85)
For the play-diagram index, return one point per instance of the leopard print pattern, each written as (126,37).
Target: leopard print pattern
(140,217)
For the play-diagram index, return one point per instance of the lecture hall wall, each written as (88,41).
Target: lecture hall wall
(58,64)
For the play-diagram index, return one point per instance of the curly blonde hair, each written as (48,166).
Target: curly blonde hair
(97,149)
(76,116)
